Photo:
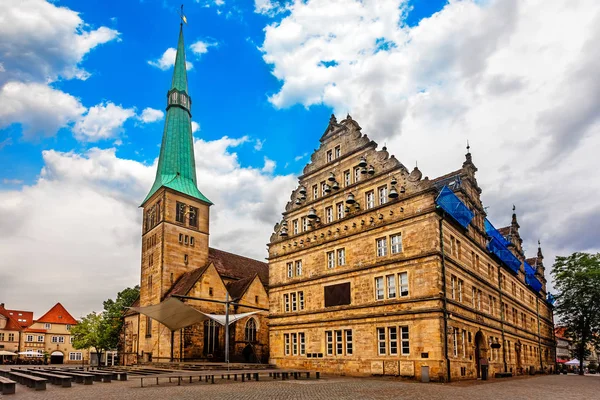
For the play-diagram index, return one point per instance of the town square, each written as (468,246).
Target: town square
(299,199)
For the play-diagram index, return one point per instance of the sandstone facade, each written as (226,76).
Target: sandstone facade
(372,286)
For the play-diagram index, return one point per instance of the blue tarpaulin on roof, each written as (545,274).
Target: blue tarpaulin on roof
(493,232)
(530,278)
(505,255)
(450,203)
(551,299)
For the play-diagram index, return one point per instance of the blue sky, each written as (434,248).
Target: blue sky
(229,84)
(81,124)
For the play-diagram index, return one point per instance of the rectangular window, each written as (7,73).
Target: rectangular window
(349,348)
(338,151)
(304,224)
(47,326)
(191,241)
(369,200)
(193,212)
(186,240)
(340,210)
(290,270)
(459,248)
(323,187)
(11,337)
(329,155)
(455,341)
(294,344)
(356,174)
(396,243)
(54,339)
(75,356)
(328,215)
(341,257)
(391,286)
(329,340)
(393,340)
(453,286)
(293,301)
(381,345)
(382,193)
(300,300)
(299,268)
(339,343)
(295,226)
(179,212)
(452,246)
(337,295)
(330,259)
(491,304)
(490,271)
(381,247)
(464,343)
(405,340)
(286,302)
(148,327)
(347,178)
(1,336)
(479,300)
(302,341)
(403,283)
(460,290)
(181,238)
(473,296)
(286,341)
(315,192)
(379,290)
(29,338)
(40,338)
(477,262)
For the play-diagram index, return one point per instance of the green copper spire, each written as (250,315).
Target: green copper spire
(176,163)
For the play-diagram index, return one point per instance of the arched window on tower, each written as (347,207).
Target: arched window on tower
(250,335)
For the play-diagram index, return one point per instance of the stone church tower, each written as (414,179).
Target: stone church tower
(176,214)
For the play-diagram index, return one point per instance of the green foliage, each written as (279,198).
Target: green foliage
(101,331)
(577,279)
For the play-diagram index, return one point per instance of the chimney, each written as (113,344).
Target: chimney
(1,305)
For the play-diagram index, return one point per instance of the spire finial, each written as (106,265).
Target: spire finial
(539,244)
(514,208)
(468,147)
(182,16)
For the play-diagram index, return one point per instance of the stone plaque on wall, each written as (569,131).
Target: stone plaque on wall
(377,367)
(407,368)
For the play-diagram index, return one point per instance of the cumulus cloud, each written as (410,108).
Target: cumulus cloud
(151,115)
(201,47)
(195,127)
(103,121)
(518,79)
(167,60)
(271,7)
(41,42)
(37,107)
(94,227)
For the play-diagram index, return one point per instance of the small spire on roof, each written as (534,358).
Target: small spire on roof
(468,147)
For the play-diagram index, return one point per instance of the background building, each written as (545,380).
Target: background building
(375,269)
(177,259)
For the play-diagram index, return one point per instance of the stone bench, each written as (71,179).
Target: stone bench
(54,377)
(503,375)
(79,377)
(7,386)
(30,381)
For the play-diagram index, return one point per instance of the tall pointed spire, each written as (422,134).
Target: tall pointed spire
(176,164)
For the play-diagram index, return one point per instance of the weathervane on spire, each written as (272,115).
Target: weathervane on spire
(468,147)
(182,16)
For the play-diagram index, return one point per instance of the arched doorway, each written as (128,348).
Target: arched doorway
(480,351)
(56,357)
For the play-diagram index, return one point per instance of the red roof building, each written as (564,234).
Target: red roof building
(57,315)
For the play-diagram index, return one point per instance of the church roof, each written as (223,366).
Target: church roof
(176,163)
(237,288)
(57,315)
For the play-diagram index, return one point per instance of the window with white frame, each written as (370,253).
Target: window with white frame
(464,343)
(323,187)
(328,214)
(286,341)
(315,192)
(68,327)
(293,300)
(290,270)
(349,347)
(11,337)
(71,339)
(304,224)
(301,300)
(75,356)
(381,247)
(54,339)
(329,155)
(356,174)
(302,340)
(286,302)
(453,287)
(347,178)
(295,226)
(337,152)
(396,243)
(329,342)
(47,326)
(379,288)
(369,199)
(340,210)
(294,344)
(381,341)
(61,339)
(383,196)
(339,342)
(405,340)
(391,286)
(391,338)
(455,341)
(460,290)
(403,283)
(1,336)
(330,259)
(341,257)
(299,268)
(29,338)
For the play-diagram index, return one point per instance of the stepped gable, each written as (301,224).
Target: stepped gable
(58,315)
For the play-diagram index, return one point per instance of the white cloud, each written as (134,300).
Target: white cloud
(200,47)
(167,60)
(37,107)
(7,181)
(104,191)
(195,127)
(271,7)
(269,166)
(42,42)
(517,78)
(258,144)
(151,115)
(103,121)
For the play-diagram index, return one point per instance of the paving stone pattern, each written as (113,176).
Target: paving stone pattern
(330,388)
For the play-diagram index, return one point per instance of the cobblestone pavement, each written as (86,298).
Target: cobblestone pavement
(330,388)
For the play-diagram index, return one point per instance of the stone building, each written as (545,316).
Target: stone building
(177,260)
(50,334)
(375,269)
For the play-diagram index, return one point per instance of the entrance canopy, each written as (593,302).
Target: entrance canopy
(175,315)
(572,362)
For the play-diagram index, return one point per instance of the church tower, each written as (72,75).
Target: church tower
(175,226)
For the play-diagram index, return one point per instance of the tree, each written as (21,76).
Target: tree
(91,332)
(113,313)
(577,279)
